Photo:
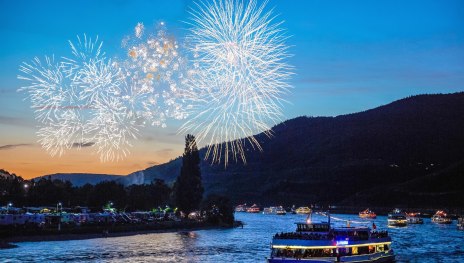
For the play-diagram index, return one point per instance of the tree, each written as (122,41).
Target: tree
(218,209)
(188,190)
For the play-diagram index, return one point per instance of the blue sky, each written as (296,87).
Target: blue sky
(349,56)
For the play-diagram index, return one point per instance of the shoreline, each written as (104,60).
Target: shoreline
(9,242)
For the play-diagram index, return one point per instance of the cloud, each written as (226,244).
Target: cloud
(12,146)
(147,138)
(15,121)
(153,163)
(166,150)
(82,144)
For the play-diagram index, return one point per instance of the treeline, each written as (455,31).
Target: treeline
(46,192)
(186,194)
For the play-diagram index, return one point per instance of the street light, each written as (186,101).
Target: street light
(59,219)
(8,206)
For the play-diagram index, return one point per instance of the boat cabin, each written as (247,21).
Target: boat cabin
(313,227)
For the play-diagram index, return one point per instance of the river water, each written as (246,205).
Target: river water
(416,243)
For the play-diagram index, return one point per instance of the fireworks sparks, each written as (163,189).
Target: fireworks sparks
(77,101)
(154,70)
(230,90)
(238,77)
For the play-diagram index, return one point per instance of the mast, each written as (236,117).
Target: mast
(328,215)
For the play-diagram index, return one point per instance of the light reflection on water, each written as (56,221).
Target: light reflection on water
(416,243)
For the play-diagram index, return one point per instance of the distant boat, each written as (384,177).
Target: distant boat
(241,208)
(293,209)
(440,217)
(460,223)
(414,218)
(367,214)
(281,211)
(269,210)
(397,218)
(303,210)
(253,209)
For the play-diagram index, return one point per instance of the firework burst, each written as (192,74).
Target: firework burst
(77,101)
(238,77)
(153,70)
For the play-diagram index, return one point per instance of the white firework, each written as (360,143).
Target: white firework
(152,71)
(238,77)
(78,102)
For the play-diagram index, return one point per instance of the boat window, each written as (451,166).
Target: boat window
(344,251)
(385,247)
(371,249)
(354,250)
(363,250)
(380,248)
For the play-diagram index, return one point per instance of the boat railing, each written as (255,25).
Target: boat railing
(329,236)
(304,236)
(379,234)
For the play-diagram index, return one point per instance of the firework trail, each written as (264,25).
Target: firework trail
(238,77)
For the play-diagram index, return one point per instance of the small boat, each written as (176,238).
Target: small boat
(269,210)
(253,209)
(440,217)
(397,219)
(367,214)
(460,223)
(280,211)
(303,210)
(293,209)
(320,242)
(241,208)
(414,218)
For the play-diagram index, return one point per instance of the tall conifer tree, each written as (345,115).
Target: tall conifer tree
(188,189)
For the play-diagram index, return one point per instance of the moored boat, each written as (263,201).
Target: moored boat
(303,210)
(280,211)
(460,223)
(253,209)
(440,217)
(269,210)
(414,218)
(241,208)
(397,219)
(367,214)
(320,242)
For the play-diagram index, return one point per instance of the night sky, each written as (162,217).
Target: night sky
(348,56)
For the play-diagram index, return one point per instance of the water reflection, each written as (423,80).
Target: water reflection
(415,243)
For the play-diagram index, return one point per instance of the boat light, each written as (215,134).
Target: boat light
(342,242)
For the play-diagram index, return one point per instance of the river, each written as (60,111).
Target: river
(416,243)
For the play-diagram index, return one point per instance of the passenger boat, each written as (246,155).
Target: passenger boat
(241,208)
(322,243)
(440,217)
(303,210)
(397,219)
(460,223)
(281,211)
(253,209)
(414,218)
(367,214)
(269,210)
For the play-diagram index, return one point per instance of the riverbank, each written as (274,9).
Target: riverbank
(108,232)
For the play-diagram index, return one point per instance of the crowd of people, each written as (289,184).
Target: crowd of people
(304,236)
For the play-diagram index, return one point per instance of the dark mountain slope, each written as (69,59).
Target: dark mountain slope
(79,179)
(330,159)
